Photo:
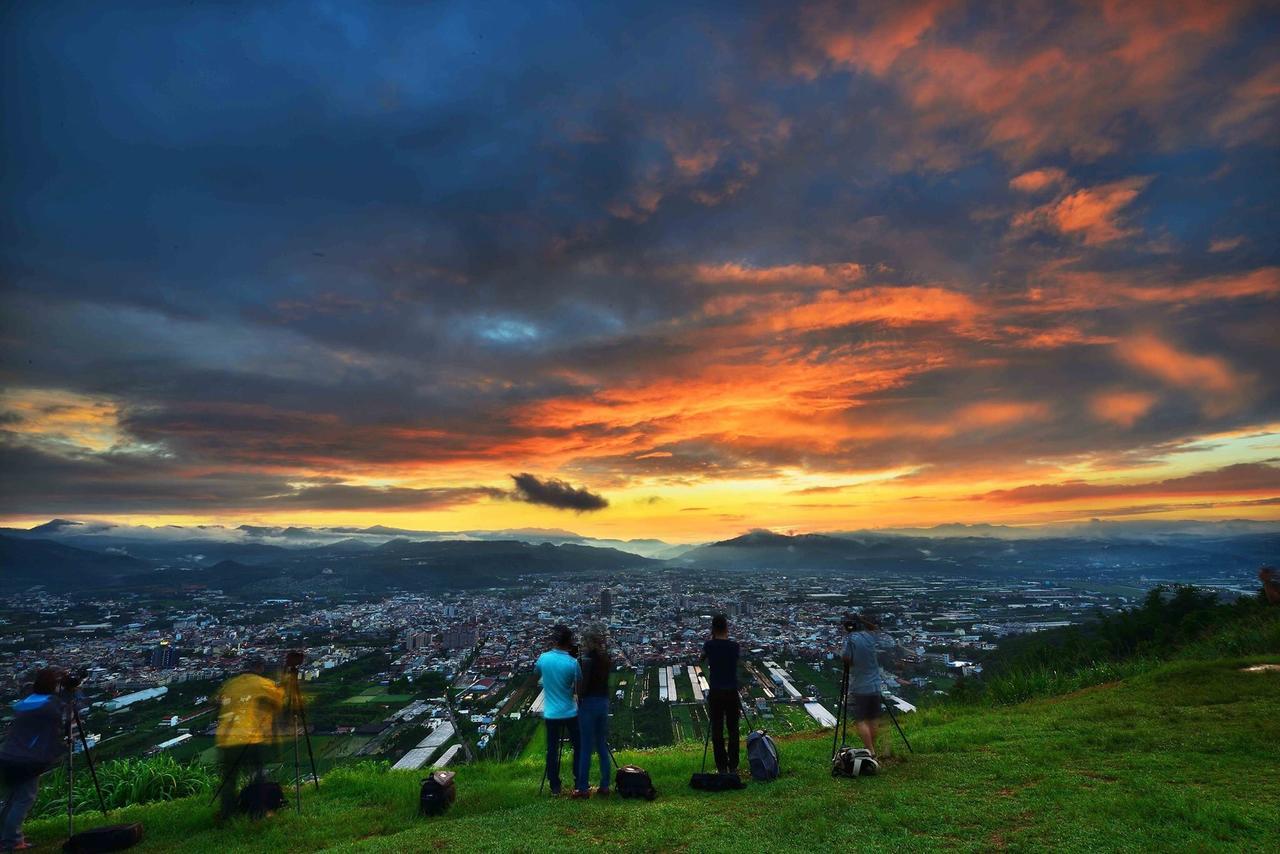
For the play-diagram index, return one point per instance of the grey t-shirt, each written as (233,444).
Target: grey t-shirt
(861,648)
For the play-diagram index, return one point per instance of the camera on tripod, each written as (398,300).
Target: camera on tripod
(69,682)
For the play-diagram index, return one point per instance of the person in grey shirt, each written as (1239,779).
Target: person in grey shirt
(864,639)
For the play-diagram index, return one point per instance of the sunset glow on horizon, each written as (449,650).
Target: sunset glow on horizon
(820,267)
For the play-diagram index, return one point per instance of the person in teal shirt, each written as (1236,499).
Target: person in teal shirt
(560,678)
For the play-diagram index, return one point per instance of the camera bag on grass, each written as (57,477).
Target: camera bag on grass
(632,781)
(112,837)
(260,797)
(853,762)
(438,793)
(762,755)
(713,782)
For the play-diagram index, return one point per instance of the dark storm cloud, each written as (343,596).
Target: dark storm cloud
(120,483)
(553,492)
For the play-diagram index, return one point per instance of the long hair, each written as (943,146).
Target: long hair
(596,650)
(594,641)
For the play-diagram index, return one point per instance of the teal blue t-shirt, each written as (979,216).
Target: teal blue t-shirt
(560,673)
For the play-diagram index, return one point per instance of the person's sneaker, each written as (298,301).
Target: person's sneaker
(580,794)
(24,845)
(603,793)
(555,793)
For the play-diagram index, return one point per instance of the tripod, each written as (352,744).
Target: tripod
(559,756)
(297,708)
(75,721)
(842,714)
(893,717)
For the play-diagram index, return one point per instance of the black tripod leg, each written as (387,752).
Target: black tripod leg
(232,774)
(835,730)
(88,757)
(898,727)
(559,744)
(844,703)
(306,733)
(306,737)
(706,739)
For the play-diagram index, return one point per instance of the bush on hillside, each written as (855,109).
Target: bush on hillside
(1182,620)
(124,782)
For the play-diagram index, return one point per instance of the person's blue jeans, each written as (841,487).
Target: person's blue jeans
(566,729)
(593,720)
(21,796)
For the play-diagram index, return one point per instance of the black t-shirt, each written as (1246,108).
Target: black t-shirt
(722,662)
(595,676)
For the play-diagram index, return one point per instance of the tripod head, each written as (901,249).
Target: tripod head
(293,659)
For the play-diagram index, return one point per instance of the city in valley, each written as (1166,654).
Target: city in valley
(431,677)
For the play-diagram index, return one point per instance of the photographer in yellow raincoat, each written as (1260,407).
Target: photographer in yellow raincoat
(248,707)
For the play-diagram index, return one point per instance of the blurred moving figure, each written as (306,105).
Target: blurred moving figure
(1270,586)
(723,708)
(250,704)
(861,645)
(593,709)
(560,678)
(36,742)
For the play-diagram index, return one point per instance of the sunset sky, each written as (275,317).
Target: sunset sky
(676,272)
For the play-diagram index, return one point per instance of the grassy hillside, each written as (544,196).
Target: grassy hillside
(1170,759)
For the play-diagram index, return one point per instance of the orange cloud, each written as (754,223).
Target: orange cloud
(1226,244)
(1124,408)
(827,275)
(1071,97)
(1001,413)
(1238,479)
(875,47)
(1208,374)
(1086,291)
(1092,213)
(892,306)
(1038,179)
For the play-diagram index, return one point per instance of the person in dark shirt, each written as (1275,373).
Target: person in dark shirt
(34,744)
(721,656)
(593,710)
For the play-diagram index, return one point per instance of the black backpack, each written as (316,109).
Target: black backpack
(260,797)
(712,782)
(853,762)
(438,793)
(113,837)
(632,781)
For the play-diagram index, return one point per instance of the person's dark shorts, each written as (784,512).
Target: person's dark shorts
(865,707)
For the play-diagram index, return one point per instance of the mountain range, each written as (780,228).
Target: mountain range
(65,554)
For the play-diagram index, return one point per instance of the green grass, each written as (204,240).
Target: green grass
(1173,758)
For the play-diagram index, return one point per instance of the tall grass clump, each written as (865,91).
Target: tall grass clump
(124,782)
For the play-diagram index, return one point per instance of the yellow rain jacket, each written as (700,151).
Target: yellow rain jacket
(250,704)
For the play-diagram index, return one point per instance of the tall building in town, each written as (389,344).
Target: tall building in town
(460,636)
(606,602)
(415,641)
(164,656)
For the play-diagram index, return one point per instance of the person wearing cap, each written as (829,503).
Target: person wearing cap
(248,706)
(864,639)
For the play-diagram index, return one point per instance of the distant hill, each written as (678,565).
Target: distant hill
(260,543)
(1181,557)
(28,562)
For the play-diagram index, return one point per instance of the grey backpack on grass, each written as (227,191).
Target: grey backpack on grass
(762,755)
